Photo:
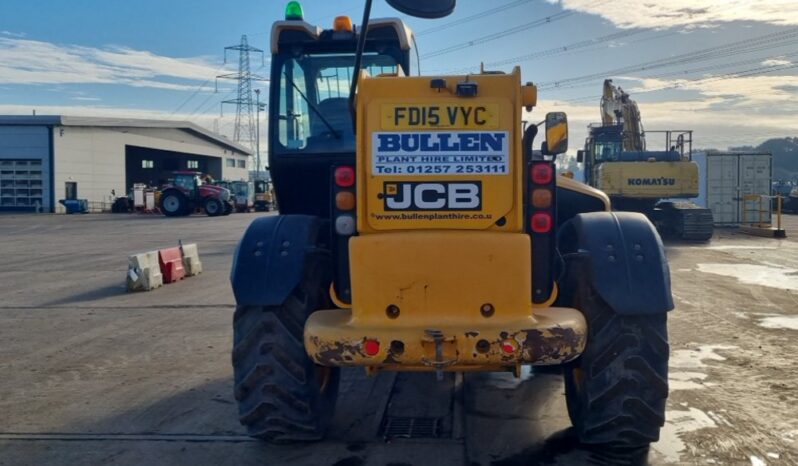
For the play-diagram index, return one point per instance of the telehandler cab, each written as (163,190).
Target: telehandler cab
(418,231)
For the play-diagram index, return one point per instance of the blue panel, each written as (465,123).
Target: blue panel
(30,143)
(24,142)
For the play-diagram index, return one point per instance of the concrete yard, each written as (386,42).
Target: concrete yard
(90,374)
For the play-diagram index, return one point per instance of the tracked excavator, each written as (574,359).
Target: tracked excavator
(657,183)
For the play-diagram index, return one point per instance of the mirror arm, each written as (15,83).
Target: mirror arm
(529,142)
(361,45)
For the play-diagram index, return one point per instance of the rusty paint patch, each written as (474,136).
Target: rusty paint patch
(553,346)
(335,353)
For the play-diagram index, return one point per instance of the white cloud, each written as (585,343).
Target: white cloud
(776,62)
(729,112)
(24,61)
(693,13)
(12,34)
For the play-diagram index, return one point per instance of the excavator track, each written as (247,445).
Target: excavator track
(684,220)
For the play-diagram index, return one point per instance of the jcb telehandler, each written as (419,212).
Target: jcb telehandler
(418,231)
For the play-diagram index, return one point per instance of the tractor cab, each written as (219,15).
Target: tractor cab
(310,120)
(188,181)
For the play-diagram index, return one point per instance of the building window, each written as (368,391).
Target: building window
(147,164)
(230,163)
(193,164)
(242,164)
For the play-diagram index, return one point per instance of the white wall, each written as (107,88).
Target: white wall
(94,157)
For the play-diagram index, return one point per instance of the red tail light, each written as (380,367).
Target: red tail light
(542,173)
(371,347)
(541,222)
(345,176)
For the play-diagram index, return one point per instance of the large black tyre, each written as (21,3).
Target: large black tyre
(283,396)
(174,203)
(617,389)
(228,208)
(213,207)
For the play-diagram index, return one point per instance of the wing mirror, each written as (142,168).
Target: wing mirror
(429,9)
(556,133)
(580,156)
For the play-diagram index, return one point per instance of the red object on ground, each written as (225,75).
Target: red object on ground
(171,261)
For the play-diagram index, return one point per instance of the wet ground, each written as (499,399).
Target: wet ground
(90,374)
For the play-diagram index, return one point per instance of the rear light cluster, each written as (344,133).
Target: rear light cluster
(541,215)
(344,203)
(541,196)
(344,191)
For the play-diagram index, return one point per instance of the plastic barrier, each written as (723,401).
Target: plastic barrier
(171,261)
(143,272)
(191,260)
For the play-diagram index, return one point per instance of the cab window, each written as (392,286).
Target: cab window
(314,114)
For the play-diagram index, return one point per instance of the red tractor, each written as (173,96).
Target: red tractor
(190,190)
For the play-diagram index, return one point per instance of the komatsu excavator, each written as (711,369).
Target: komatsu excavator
(640,180)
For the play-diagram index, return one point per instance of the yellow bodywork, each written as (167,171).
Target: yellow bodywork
(443,289)
(408,105)
(648,179)
(441,281)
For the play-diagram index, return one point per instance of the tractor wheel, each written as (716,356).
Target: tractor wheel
(228,208)
(283,396)
(213,207)
(174,204)
(617,389)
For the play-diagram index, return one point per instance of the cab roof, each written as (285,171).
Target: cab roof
(290,32)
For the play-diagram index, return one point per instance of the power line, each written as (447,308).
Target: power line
(689,71)
(196,91)
(766,41)
(498,35)
(470,18)
(712,78)
(557,50)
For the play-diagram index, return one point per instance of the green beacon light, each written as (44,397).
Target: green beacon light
(293,11)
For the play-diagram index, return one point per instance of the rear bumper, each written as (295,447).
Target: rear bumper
(548,336)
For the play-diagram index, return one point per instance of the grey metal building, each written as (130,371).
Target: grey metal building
(47,158)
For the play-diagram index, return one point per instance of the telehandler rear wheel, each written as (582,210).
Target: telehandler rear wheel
(282,395)
(617,389)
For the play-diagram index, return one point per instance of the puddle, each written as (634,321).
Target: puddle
(686,380)
(678,423)
(751,274)
(727,247)
(780,322)
(694,358)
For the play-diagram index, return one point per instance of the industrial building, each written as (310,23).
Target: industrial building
(47,158)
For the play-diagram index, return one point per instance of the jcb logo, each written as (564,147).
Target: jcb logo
(413,195)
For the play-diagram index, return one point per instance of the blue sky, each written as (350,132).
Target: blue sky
(156,59)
